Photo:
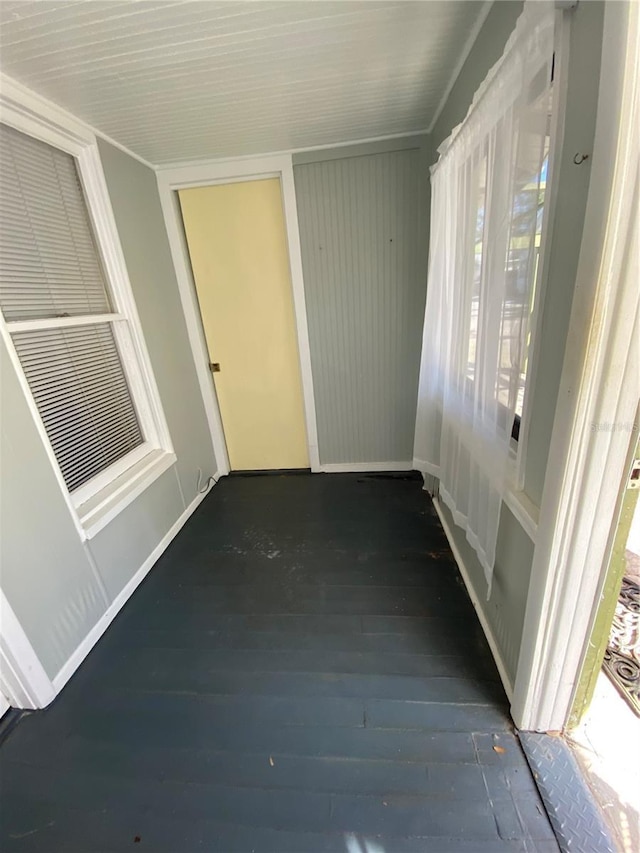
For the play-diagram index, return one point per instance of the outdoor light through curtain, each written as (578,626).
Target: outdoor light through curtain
(486,210)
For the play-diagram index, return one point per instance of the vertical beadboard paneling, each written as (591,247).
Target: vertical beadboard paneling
(363,257)
(177,81)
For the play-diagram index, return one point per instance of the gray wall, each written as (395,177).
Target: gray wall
(514,553)
(45,573)
(363,229)
(58,587)
(506,607)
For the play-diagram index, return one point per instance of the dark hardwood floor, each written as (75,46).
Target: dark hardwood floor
(301,671)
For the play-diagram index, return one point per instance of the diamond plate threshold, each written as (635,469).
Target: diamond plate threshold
(574,814)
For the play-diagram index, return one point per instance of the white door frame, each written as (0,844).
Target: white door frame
(597,401)
(170,180)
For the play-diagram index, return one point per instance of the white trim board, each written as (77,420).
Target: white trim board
(170,180)
(363,467)
(425,467)
(78,656)
(287,152)
(493,645)
(524,511)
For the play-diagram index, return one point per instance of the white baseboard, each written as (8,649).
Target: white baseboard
(495,649)
(76,658)
(4,705)
(426,467)
(364,467)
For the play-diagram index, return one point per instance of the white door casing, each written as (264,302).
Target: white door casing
(597,401)
(172,179)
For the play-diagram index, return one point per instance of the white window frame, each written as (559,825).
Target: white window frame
(94,504)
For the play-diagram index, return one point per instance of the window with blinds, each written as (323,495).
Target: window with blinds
(65,328)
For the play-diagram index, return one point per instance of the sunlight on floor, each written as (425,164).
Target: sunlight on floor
(364,846)
(607,744)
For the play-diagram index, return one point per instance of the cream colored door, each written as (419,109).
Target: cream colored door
(239,256)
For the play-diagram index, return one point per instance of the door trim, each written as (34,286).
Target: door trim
(170,180)
(594,420)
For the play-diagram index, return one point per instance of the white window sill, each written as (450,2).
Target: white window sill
(104,506)
(524,510)
(522,507)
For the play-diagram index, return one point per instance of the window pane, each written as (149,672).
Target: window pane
(49,264)
(532,161)
(480,211)
(81,391)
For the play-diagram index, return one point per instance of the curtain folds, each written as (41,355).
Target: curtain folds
(487,203)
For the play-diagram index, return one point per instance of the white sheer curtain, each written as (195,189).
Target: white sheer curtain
(486,218)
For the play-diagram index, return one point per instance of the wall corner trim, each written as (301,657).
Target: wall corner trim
(493,645)
(78,656)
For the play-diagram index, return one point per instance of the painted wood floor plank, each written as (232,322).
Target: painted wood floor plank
(166,662)
(431,642)
(301,671)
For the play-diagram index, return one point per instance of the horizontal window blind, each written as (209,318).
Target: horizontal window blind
(79,386)
(49,263)
(50,269)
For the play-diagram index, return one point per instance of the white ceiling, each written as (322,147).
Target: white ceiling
(177,81)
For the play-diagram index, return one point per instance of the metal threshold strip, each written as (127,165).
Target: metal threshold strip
(573,811)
